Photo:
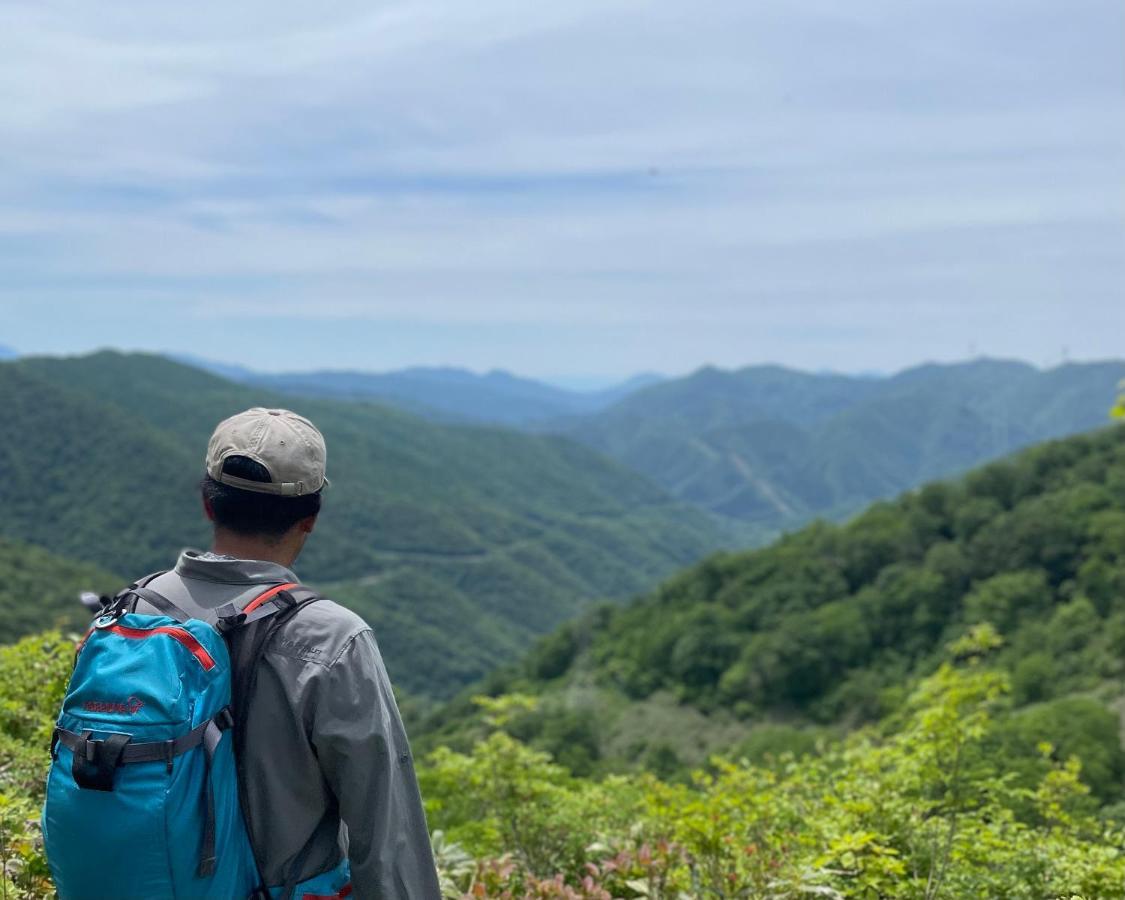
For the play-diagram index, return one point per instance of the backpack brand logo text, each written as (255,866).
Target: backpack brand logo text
(130,707)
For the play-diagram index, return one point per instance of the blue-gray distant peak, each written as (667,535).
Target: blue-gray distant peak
(777,447)
(224,370)
(439,392)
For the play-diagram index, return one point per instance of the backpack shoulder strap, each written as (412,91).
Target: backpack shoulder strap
(162,603)
(279,598)
(114,602)
(144,582)
(126,600)
(248,636)
(249,644)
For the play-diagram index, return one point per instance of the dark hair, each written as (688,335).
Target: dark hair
(251,512)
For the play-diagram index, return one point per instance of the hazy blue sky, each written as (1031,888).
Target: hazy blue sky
(586,187)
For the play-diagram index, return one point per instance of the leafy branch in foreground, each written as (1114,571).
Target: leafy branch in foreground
(922,806)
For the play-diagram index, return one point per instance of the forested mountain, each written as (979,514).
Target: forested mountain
(831,625)
(458,544)
(765,447)
(445,393)
(778,448)
(39,590)
(920,703)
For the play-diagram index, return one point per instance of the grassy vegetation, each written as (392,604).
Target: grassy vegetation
(927,805)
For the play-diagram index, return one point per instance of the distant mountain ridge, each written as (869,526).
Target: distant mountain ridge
(777,447)
(766,447)
(458,544)
(445,393)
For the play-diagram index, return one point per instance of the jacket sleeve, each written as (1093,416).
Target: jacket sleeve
(365,757)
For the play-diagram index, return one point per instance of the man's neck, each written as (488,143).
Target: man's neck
(240,546)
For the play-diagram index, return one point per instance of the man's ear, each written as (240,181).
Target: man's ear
(207,510)
(307,524)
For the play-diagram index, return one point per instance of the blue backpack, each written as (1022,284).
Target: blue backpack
(143,792)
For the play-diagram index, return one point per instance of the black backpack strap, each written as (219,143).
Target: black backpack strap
(294,874)
(276,599)
(211,737)
(294,599)
(248,640)
(116,603)
(301,594)
(248,635)
(286,600)
(162,603)
(143,582)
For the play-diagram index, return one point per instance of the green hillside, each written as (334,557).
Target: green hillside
(779,448)
(39,590)
(922,703)
(830,626)
(458,544)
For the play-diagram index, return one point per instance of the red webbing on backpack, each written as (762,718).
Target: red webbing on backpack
(268,595)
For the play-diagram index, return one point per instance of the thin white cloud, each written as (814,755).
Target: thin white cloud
(611,162)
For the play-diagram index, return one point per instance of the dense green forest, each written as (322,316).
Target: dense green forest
(778,648)
(778,448)
(441,534)
(437,534)
(39,590)
(922,703)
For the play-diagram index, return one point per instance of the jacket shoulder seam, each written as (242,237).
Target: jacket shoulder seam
(348,643)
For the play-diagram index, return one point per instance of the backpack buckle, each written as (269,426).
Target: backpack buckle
(95,762)
(228,617)
(285,599)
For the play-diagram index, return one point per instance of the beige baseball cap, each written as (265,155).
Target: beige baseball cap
(288,445)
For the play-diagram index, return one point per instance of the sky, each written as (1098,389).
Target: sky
(585,189)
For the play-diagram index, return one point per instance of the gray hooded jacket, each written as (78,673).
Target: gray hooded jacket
(327,760)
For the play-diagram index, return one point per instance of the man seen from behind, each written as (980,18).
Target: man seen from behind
(326,774)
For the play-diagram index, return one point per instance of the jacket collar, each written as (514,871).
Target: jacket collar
(193,564)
